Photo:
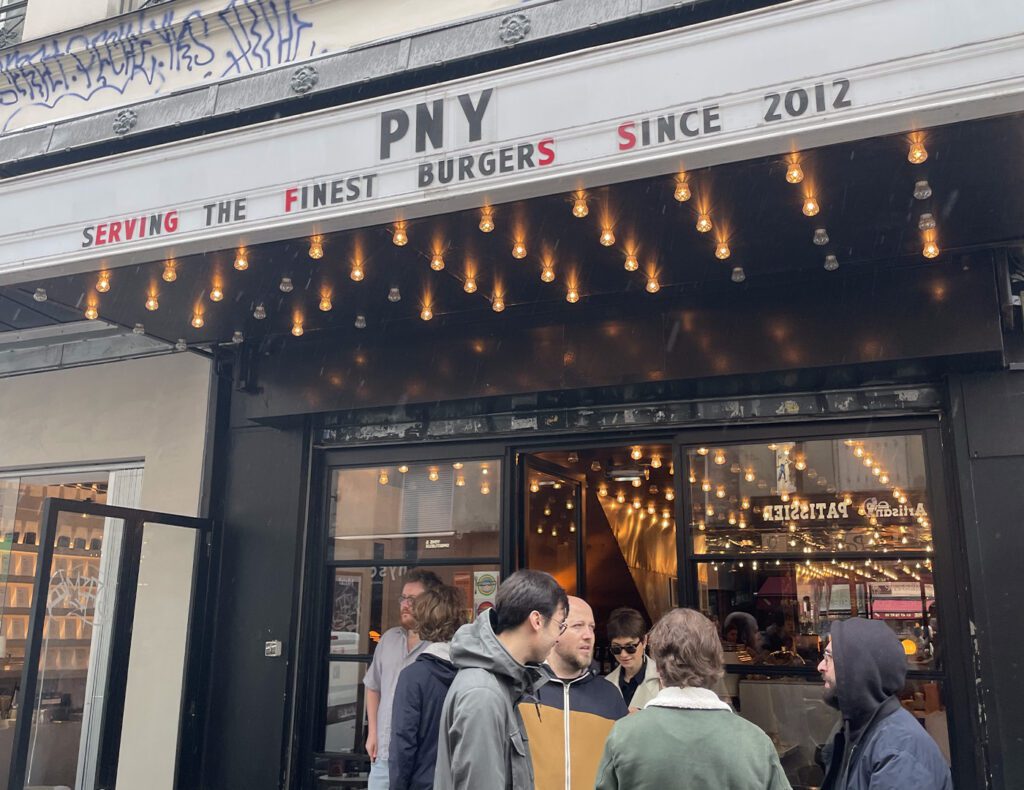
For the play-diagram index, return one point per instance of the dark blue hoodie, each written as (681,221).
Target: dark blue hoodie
(879,745)
(416,718)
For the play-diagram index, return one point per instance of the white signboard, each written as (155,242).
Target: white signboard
(754,84)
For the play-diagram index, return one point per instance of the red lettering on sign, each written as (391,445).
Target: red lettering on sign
(171,221)
(129,228)
(101,234)
(115,232)
(290,197)
(627,139)
(547,152)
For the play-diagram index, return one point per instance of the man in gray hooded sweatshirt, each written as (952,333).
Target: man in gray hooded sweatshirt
(878,745)
(482,743)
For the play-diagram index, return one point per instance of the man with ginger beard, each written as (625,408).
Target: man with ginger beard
(566,754)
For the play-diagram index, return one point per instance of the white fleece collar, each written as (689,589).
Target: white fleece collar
(689,698)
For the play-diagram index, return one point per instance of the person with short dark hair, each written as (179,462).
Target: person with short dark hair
(635,677)
(686,738)
(482,742)
(878,744)
(397,647)
(421,689)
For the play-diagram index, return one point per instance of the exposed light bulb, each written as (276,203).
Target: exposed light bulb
(722,250)
(91,312)
(460,480)
(382,478)
(297,329)
(241,259)
(922,190)
(360,322)
(704,223)
(519,250)
(800,464)
(572,296)
(259,312)
(399,236)
(216,294)
(655,462)
(394,295)
(426,313)
(636,482)
(636,453)
(620,497)
(403,468)
(316,248)
(152,303)
(653,286)
(930,249)
(181,345)
(286,286)
(437,262)
(547,274)
(926,222)
(325,303)
(140,329)
(602,490)
(103,282)
(470,285)
(811,207)
(637,504)
(720,492)
(749,476)
(705,486)
(719,457)
(831,263)
(170,272)
(670,494)
(794,173)
(631,264)
(607,237)
(237,338)
(486,220)
(198,321)
(820,237)
(498,303)
(917,153)
(682,192)
(433,475)
(580,209)
(358,273)
(534,486)
(738,275)
(485,488)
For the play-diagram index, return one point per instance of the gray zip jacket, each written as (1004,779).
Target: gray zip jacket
(482,743)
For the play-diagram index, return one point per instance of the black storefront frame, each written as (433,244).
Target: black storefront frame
(949,571)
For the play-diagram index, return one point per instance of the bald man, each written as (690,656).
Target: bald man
(567,757)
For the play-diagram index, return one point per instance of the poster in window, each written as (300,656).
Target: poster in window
(345,615)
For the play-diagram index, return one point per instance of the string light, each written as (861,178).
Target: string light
(437,262)
(719,457)
(382,478)
(631,264)
(91,312)
(811,207)
(103,282)
(357,274)
(241,259)
(170,272)
(831,263)
(653,286)
(917,153)
(738,274)
(460,480)
(433,474)
(682,192)
(316,248)
(670,494)
(470,285)
(286,286)
(486,220)
(722,250)
(655,462)
(216,293)
(607,237)
(498,303)
(485,488)
(749,476)
(197,320)
(922,190)
(572,295)
(930,248)
(399,236)
(403,469)
(152,303)
(794,173)
(636,453)
(580,209)
(259,312)
(547,273)
(519,250)
(704,223)
(426,313)
(297,329)
(820,237)
(325,302)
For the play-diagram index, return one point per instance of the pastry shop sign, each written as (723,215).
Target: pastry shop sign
(799,510)
(635,109)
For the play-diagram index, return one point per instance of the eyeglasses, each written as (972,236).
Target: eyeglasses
(406,599)
(631,649)
(562,626)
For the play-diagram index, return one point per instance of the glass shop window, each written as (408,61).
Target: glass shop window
(415,512)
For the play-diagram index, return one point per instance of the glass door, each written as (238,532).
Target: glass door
(110,619)
(553,517)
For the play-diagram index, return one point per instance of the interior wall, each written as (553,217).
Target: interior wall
(155,411)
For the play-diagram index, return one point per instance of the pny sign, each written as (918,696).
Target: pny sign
(427,122)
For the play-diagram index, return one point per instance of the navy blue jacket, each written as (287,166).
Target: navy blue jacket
(878,745)
(416,719)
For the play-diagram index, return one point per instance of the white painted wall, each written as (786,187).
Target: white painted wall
(157,411)
(45,17)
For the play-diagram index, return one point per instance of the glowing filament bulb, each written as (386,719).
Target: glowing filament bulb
(800,464)
(631,264)
(498,303)
(357,274)
(637,504)
(682,192)
(572,296)
(722,250)
(460,480)
(930,249)
(216,294)
(399,236)
(917,153)
(745,503)
(580,209)
(470,285)
(653,286)
(858,451)
(602,490)
(670,494)
(519,250)
(794,173)
(325,302)
(485,488)
(705,486)
(651,509)
(719,457)
(749,476)
(437,262)
(704,223)
(620,497)
(636,483)
(811,207)
(433,475)
(152,303)
(91,312)
(607,237)
(170,273)
(241,259)
(426,313)
(702,451)
(403,469)
(103,282)
(486,220)
(297,329)
(547,274)
(316,248)
(382,478)
(197,320)
(655,462)
(534,486)
(720,492)
(636,453)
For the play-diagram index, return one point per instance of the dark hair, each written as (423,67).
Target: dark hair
(625,622)
(524,592)
(429,579)
(439,613)
(686,649)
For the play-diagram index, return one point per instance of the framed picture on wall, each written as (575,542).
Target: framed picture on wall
(345,615)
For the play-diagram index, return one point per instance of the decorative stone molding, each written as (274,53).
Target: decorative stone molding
(304,79)
(125,121)
(514,28)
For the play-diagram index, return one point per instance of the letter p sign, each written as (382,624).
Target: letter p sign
(394,125)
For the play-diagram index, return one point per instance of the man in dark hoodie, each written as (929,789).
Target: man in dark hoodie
(421,689)
(878,745)
(577,709)
(482,743)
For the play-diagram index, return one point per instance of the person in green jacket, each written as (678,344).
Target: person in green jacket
(686,738)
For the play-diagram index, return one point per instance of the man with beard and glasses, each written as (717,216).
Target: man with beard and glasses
(878,745)
(573,712)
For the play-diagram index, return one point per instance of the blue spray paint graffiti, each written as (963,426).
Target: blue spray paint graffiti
(148,48)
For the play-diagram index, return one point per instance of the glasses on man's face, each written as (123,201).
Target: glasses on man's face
(630,648)
(404,600)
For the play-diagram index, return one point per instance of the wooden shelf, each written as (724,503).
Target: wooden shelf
(32,548)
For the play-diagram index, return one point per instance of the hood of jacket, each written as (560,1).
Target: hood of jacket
(439,666)
(870,668)
(475,645)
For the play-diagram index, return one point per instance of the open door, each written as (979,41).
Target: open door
(553,523)
(109,683)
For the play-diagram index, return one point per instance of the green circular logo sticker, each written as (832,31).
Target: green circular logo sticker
(486,584)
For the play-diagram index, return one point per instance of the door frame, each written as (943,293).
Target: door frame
(134,521)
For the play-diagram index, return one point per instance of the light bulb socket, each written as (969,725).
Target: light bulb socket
(926,222)
(922,190)
(820,237)
(831,263)
(738,275)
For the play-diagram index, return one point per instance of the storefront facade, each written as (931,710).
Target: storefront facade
(722,314)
